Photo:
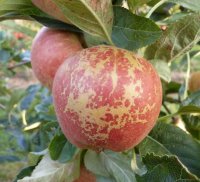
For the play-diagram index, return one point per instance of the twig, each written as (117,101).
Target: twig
(18,65)
(166,108)
(2,107)
(174,119)
(172,100)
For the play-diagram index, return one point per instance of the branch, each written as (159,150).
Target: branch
(166,108)
(18,65)
(2,107)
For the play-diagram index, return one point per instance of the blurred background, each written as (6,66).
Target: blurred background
(25,106)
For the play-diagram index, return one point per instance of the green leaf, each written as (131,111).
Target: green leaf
(172,45)
(35,157)
(118,166)
(193,5)
(165,168)
(193,99)
(188,109)
(93,163)
(131,31)
(162,69)
(136,164)
(104,179)
(117,2)
(191,104)
(93,40)
(134,4)
(4,55)
(18,9)
(175,17)
(24,172)
(150,145)
(108,163)
(192,124)
(93,17)
(178,143)
(60,149)
(172,87)
(51,171)
(53,23)
(14,99)
(51,127)
(30,94)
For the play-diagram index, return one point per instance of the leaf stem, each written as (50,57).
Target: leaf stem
(164,118)
(136,165)
(187,76)
(155,7)
(110,40)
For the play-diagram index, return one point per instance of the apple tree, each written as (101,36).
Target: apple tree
(116,101)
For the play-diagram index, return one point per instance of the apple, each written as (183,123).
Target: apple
(49,49)
(85,175)
(49,7)
(194,81)
(106,98)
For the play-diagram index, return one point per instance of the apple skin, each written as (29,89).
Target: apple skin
(49,49)
(106,98)
(194,81)
(50,8)
(85,176)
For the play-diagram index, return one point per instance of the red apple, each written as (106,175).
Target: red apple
(19,35)
(85,176)
(49,7)
(49,49)
(106,98)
